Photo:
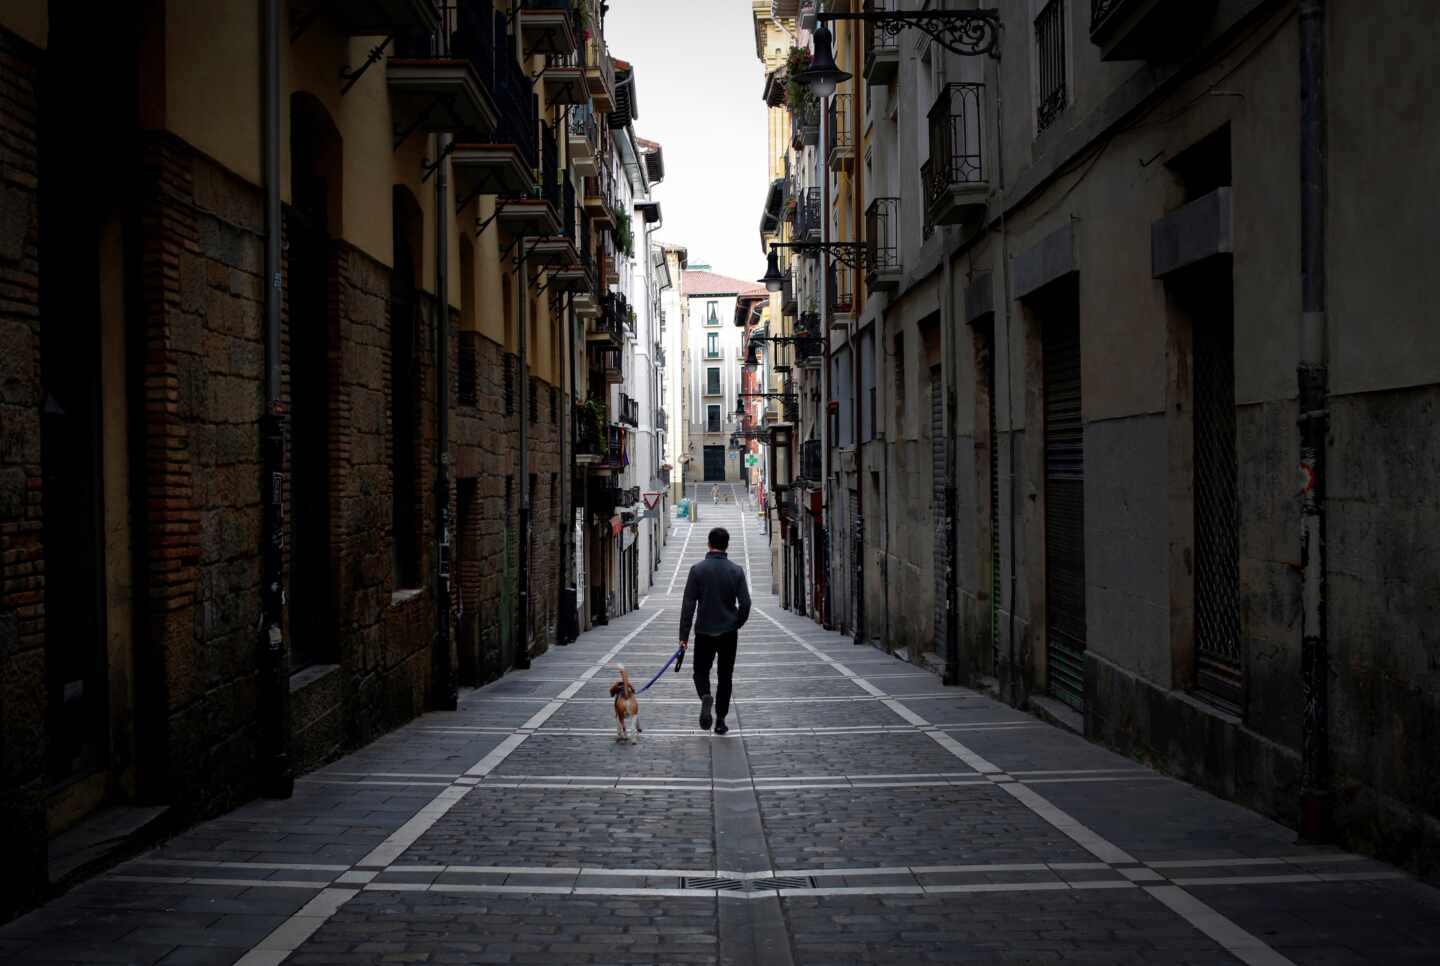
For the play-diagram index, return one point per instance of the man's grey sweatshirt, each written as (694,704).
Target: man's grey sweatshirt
(717,588)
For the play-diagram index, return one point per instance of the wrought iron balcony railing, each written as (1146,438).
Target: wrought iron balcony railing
(955,177)
(842,289)
(807,223)
(882,50)
(841,137)
(882,243)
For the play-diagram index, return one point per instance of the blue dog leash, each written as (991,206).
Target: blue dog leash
(676,659)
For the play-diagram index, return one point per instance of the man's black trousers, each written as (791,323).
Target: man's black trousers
(707,648)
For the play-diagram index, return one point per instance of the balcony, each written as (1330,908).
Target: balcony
(810,462)
(614,457)
(583,142)
(842,138)
(501,161)
(882,244)
(1146,29)
(604,328)
(807,222)
(805,123)
(559,251)
(591,422)
(600,74)
(612,364)
(882,51)
(442,95)
(629,414)
(809,352)
(562,82)
(546,27)
(600,198)
(787,293)
(842,295)
(955,180)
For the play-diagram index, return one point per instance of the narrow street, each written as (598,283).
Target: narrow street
(858,811)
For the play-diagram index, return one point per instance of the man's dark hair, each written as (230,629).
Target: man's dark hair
(720,539)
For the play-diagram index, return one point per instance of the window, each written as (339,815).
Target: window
(712,381)
(712,315)
(712,419)
(1049,63)
(712,345)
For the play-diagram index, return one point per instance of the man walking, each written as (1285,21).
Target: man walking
(717,588)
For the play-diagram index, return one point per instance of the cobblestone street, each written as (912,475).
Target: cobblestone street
(857,812)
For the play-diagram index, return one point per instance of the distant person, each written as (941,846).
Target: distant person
(715,493)
(717,601)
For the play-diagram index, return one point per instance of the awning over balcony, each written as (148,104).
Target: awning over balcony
(626,109)
(770,217)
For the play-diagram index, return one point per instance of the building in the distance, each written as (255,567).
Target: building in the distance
(674,406)
(714,346)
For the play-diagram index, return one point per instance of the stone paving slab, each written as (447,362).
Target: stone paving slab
(379,928)
(1395,922)
(517,826)
(825,828)
(844,754)
(1040,927)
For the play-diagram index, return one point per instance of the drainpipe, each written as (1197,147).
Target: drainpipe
(567,472)
(277,779)
(1313,379)
(522,624)
(442,670)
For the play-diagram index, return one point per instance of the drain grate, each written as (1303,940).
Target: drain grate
(784,882)
(748,885)
(710,882)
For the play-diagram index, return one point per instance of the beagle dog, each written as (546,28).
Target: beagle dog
(626,706)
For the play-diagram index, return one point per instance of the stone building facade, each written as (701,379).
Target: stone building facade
(1102,352)
(134,350)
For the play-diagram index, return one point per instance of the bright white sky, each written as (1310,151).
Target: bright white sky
(699,89)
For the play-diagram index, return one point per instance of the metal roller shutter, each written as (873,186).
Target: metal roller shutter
(1064,513)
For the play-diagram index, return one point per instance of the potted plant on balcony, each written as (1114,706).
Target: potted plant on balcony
(624,239)
(591,424)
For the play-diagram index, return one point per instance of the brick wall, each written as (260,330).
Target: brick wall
(22,618)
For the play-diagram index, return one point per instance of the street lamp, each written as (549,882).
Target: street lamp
(823,76)
(774,281)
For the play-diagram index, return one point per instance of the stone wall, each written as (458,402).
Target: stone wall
(486,444)
(22,569)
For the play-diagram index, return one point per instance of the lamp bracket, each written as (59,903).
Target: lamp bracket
(969,33)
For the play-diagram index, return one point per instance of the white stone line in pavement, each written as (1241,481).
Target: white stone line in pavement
(1244,946)
(680,558)
(745,548)
(749,733)
(289,935)
(1260,860)
(263,866)
(202,881)
(1236,940)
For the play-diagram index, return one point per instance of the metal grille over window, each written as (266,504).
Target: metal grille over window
(534,399)
(1050,62)
(1218,656)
